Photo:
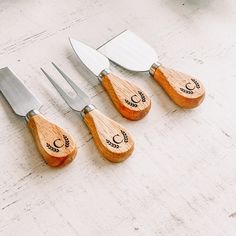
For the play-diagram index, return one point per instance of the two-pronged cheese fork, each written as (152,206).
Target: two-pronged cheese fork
(112,140)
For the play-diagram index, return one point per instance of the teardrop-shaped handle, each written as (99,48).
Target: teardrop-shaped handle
(129,100)
(112,140)
(56,146)
(184,90)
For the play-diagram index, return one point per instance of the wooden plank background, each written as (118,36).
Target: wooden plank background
(181,179)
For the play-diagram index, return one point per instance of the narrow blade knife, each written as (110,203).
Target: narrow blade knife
(56,146)
(129,99)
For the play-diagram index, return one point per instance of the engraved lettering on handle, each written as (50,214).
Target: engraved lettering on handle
(191,86)
(58,143)
(188,86)
(135,99)
(118,139)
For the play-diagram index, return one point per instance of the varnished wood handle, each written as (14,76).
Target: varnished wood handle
(184,90)
(112,140)
(129,100)
(55,145)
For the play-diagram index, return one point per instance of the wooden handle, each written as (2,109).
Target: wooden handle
(112,140)
(129,100)
(184,90)
(55,145)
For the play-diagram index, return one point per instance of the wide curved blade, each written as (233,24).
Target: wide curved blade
(130,52)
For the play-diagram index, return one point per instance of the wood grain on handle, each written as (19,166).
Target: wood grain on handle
(129,100)
(112,140)
(184,90)
(55,145)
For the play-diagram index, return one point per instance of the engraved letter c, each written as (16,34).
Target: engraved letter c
(135,99)
(55,143)
(188,87)
(115,139)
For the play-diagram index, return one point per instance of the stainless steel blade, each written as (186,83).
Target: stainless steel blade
(18,96)
(130,52)
(77,102)
(90,57)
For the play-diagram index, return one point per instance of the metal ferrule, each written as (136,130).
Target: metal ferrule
(154,67)
(103,73)
(86,110)
(30,114)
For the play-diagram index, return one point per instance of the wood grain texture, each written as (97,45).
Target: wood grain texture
(180,180)
(131,101)
(56,146)
(184,90)
(113,141)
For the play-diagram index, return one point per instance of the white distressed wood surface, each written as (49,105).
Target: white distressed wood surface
(181,179)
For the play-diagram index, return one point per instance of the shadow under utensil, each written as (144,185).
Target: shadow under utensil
(188,6)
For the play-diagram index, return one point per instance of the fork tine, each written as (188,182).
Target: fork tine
(72,84)
(58,88)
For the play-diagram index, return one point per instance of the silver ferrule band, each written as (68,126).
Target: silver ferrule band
(154,67)
(30,114)
(103,74)
(87,109)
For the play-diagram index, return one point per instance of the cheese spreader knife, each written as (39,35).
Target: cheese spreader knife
(112,140)
(132,53)
(55,145)
(129,99)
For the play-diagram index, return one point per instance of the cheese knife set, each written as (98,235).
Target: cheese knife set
(114,141)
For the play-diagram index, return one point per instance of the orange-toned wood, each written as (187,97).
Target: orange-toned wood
(129,100)
(55,145)
(184,90)
(112,140)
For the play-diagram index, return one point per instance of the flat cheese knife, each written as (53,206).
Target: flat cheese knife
(129,99)
(112,140)
(55,145)
(132,53)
